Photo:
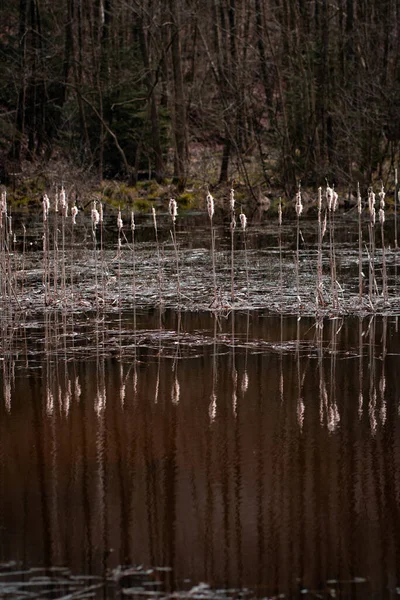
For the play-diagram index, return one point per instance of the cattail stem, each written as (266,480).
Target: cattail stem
(173,209)
(210,209)
(158,256)
(360,273)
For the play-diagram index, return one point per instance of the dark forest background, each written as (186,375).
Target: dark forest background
(306,89)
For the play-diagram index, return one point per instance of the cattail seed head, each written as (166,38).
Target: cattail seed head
(46,206)
(381,216)
(299,204)
(243,221)
(382,198)
(210,205)
(95,215)
(119,221)
(280,212)
(232,200)
(329,197)
(63,202)
(173,209)
(153,210)
(101,212)
(324,226)
(133,226)
(359,205)
(335,201)
(74,212)
(371,200)
(319,203)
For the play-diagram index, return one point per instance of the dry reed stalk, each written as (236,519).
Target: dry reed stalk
(119,226)
(173,211)
(371,230)
(74,213)
(210,210)
(46,241)
(360,272)
(133,227)
(243,224)
(160,294)
(64,214)
(319,296)
(299,210)
(395,208)
(280,253)
(55,244)
(95,221)
(233,227)
(385,293)
(332,201)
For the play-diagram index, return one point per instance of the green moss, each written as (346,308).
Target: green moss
(186,200)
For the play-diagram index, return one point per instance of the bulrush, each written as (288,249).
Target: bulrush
(95,215)
(210,205)
(299,204)
(46,207)
(63,202)
(74,212)
(243,221)
(173,209)
(119,221)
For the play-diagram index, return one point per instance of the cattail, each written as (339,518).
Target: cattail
(74,212)
(280,212)
(335,201)
(153,210)
(371,203)
(133,226)
(210,205)
(95,215)
(173,209)
(359,205)
(63,202)
(382,198)
(119,221)
(101,212)
(232,200)
(329,197)
(46,206)
(243,221)
(324,226)
(3,202)
(299,205)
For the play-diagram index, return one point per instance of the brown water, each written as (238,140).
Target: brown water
(246,451)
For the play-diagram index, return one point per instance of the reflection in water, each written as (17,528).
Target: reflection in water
(272,467)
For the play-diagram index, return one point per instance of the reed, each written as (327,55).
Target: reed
(95,217)
(332,202)
(232,227)
(173,211)
(210,210)
(243,224)
(319,301)
(371,230)
(299,210)
(46,252)
(280,252)
(160,292)
(385,293)
(360,271)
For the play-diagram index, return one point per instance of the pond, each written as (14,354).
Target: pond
(195,450)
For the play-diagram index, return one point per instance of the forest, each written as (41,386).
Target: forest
(264,92)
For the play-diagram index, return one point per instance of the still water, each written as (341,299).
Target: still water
(247,450)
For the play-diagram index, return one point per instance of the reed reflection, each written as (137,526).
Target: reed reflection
(267,469)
